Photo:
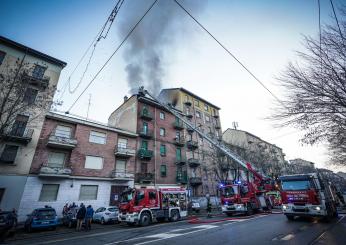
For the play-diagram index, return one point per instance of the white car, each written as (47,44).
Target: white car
(106,215)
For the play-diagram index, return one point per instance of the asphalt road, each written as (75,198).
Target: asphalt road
(260,229)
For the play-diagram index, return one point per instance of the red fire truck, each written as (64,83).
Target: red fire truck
(246,196)
(146,205)
(307,195)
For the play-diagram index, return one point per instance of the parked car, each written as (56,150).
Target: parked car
(41,218)
(70,219)
(194,206)
(8,221)
(106,214)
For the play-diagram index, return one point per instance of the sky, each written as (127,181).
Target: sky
(264,35)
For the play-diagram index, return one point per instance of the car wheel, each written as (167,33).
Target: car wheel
(145,219)
(229,214)
(249,209)
(29,228)
(174,216)
(103,221)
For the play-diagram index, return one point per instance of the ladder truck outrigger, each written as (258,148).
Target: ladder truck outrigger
(142,206)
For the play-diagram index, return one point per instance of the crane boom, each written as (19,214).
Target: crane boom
(218,145)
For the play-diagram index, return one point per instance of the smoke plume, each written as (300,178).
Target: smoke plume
(152,40)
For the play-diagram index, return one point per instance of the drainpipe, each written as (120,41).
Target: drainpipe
(155,147)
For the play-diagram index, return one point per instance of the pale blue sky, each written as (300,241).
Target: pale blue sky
(262,34)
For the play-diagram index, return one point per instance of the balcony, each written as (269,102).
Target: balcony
(20,137)
(192,145)
(124,151)
(36,81)
(122,175)
(144,178)
(188,102)
(193,162)
(146,115)
(190,130)
(47,171)
(216,116)
(145,154)
(189,116)
(61,142)
(179,141)
(217,125)
(145,133)
(195,181)
(179,125)
(181,177)
(180,160)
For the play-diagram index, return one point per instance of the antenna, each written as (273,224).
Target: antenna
(89,103)
(235,125)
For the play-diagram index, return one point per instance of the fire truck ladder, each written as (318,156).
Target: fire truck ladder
(230,154)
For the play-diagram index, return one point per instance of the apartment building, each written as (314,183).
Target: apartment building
(78,160)
(265,156)
(28,82)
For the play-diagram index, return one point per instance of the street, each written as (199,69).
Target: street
(257,229)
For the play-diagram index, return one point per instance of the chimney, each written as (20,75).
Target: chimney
(125,98)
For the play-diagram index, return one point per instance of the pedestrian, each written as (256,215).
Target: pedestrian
(65,209)
(88,217)
(80,216)
(208,206)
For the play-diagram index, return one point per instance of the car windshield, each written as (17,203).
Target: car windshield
(230,191)
(46,212)
(294,185)
(112,209)
(126,196)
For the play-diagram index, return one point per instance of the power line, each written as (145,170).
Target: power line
(97,38)
(231,54)
(336,19)
(116,50)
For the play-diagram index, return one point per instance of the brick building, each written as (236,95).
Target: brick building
(168,153)
(78,160)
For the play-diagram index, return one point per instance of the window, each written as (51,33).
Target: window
(144,167)
(206,107)
(152,195)
(186,98)
(49,192)
(163,170)
(9,154)
(122,143)
(198,114)
(56,159)
(93,162)
(144,145)
(145,127)
(2,192)
(197,103)
(2,56)
(162,115)
(30,96)
(120,166)
(97,137)
(178,153)
(38,71)
(62,131)
(88,192)
(207,118)
(162,132)
(163,150)
(177,135)
(19,125)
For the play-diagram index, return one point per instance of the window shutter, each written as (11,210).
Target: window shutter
(49,192)
(63,131)
(88,192)
(56,159)
(120,166)
(93,162)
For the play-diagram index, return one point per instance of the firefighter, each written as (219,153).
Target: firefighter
(208,206)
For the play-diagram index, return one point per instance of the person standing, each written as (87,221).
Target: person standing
(88,217)
(80,216)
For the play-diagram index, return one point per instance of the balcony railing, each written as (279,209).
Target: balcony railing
(145,114)
(189,115)
(216,116)
(145,154)
(179,141)
(217,125)
(144,178)
(37,81)
(194,181)
(124,151)
(63,142)
(193,162)
(181,177)
(188,102)
(178,125)
(145,133)
(125,175)
(20,137)
(47,171)
(192,145)
(180,160)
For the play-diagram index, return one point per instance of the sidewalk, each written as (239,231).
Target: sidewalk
(335,235)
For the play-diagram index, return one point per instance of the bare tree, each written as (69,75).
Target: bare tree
(24,91)
(315,91)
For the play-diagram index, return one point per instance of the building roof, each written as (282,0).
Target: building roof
(61,116)
(33,52)
(193,95)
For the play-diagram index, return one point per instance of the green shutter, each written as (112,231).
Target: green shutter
(163,170)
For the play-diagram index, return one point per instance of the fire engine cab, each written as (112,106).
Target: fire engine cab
(146,205)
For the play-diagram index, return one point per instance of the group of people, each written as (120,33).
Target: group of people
(84,214)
